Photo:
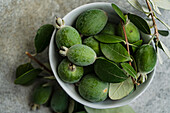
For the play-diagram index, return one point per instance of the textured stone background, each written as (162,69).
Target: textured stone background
(19,20)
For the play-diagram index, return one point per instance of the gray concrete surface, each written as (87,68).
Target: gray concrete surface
(19,20)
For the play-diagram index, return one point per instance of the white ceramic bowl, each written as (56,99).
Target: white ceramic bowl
(70,88)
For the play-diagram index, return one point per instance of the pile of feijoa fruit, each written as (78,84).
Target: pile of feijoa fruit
(96,59)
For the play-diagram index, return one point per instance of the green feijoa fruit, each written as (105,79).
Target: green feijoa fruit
(69,72)
(107,38)
(119,90)
(132,32)
(81,55)
(91,22)
(94,44)
(28,77)
(42,94)
(59,101)
(23,69)
(109,29)
(115,52)
(67,36)
(81,112)
(145,58)
(108,71)
(93,89)
(43,37)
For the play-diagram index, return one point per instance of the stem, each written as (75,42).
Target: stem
(127,45)
(154,23)
(151,39)
(38,62)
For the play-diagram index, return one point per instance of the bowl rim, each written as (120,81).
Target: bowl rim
(67,91)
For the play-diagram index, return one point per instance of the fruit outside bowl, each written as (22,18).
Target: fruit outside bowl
(70,88)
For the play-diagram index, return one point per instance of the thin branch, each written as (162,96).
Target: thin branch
(38,62)
(154,23)
(127,45)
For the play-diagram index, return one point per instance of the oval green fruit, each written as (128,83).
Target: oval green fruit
(42,94)
(59,101)
(132,32)
(81,55)
(93,89)
(67,36)
(69,72)
(91,22)
(146,58)
(94,44)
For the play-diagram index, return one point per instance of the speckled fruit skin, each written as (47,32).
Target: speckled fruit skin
(132,32)
(81,55)
(91,22)
(94,44)
(93,89)
(109,29)
(145,58)
(67,36)
(68,75)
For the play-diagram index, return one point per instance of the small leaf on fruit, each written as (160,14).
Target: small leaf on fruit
(108,71)
(23,69)
(140,23)
(119,12)
(163,32)
(43,37)
(115,52)
(28,77)
(107,38)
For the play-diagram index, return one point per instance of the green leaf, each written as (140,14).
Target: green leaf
(159,56)
(119,12)
(42,94)
(59,101)
(43,37)
(163,32)
(108,71)
(166,25)
(164,4)
(71,106)
(129,69)
(165,49)
(23,69)
(140,23)
(119,90)
(115,52)
(137,44)
(107,38)
(136,5)
(28,77)
(123,109)
(155,7)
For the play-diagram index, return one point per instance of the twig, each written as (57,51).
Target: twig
(38,62)
(154,23)
(127,45)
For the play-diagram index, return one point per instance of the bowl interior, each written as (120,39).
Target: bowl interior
(70,88)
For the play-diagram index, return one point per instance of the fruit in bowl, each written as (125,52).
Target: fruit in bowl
(115,69)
